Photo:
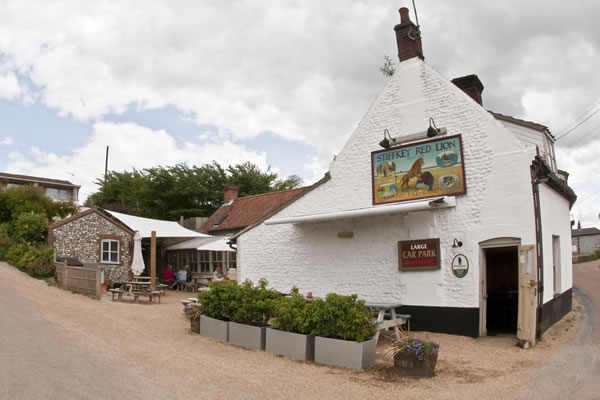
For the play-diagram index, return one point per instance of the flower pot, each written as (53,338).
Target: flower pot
(407,364)
(251,337)
(345,353)
(294,345)
(214,328)
(195,325)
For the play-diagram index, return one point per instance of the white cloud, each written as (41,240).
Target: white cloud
(6,140)
(130,146)
(9,86)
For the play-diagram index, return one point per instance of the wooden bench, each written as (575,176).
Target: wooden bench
(150,295)
(161,287)
(118,292)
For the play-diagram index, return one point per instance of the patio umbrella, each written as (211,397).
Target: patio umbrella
(137,265)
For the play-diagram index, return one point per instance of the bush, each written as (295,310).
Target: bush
(292,314)
(254,305)
(30,227)
(587,257)
(219,301)
(342,317)
(36,260)
(5,244)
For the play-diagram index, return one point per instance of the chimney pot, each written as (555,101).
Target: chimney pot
(230,193)
(404,18)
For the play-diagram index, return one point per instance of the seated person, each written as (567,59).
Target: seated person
(169,275)
(218,274)
(181,276)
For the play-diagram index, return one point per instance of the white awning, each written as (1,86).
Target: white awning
(421,205)
(162,228)
(209,244)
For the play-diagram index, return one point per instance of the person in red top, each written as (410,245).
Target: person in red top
(169,275)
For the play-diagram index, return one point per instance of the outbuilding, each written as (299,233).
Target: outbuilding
(467,225)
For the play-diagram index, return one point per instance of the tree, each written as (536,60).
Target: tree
(179,190)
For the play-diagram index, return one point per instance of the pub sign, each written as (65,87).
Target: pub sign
(419,170)
(418,254)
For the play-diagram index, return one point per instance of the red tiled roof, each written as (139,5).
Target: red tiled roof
(4,175)
(248,210)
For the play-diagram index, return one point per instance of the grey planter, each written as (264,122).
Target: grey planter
(345,353)
(252,337)
(214,328)
(195,325)
(294,345)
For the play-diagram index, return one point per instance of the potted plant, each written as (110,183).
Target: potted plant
(217,309)
(414,357)
(194,314)
(343,330)
(290,335)
(253,308)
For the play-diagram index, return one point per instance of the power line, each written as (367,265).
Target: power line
(577,119)
(593,130)
(573,128)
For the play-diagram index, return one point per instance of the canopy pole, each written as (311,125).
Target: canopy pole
(153,260)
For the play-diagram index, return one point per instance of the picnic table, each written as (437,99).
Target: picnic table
(141,288)
(395,320)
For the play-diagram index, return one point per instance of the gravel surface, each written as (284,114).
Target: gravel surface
(153,350)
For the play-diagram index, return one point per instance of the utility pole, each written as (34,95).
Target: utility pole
(106,165)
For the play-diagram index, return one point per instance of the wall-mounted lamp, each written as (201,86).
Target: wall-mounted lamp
(432,131)
(457,243)
(385,143)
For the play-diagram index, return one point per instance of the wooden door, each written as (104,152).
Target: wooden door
(527,294)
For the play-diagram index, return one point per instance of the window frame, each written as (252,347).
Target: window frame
(110,251)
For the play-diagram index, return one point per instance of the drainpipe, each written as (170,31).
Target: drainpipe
(540,245)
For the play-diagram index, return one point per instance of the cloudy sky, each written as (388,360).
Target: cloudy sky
(281,84)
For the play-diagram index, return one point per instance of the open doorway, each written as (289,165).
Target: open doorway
(502,289)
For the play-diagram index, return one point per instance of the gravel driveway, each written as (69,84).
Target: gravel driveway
(73,347)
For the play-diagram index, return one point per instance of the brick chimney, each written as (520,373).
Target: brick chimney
(471,85)
(231,193)
(408,38)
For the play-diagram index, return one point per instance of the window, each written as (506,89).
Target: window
(110,251)
(556,267)
(204,261)
(58,194)
(232,260)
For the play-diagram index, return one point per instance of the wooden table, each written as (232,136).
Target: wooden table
(394,322)
(138,286)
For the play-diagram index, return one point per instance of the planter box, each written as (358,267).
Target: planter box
(195,325)
(252,337)
(214,328)
(409,365)
(345,353)
(294,345)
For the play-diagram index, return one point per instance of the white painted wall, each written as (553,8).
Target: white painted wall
(555,221)
(498,203)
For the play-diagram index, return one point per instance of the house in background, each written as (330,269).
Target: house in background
(237,214)
(56,189)
(585,240)
(104,239)
(469,231)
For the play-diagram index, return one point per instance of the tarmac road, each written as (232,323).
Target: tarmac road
(574,372)
(35,363)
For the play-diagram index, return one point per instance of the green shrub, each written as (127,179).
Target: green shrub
(219,301)
(30,227)
(5,244)
(254,305)
(36,260)
(587,257)
(597,253)
(292,314)
(342,317)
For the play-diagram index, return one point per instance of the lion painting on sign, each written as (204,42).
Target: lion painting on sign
(414,172)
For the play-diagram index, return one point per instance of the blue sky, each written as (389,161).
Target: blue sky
(280,84)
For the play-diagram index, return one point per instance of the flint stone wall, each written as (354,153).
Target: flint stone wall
(81,238)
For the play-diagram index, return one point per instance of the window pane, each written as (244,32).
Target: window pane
(105,245)
(114,257)
(114,245)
